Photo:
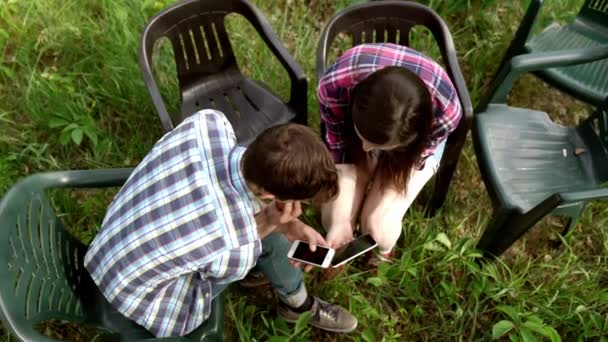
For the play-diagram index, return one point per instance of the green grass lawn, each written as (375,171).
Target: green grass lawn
(72,97)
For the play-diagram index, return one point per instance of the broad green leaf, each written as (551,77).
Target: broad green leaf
(302,322)
(57,122)
(514,338)
(369,335)
(552,334)
(535,319)
(501,328)
(281,326)
(376,281)
(459,312)
(383,268)
(301,339)
(91,134)
(412,271)
(433,246)
(544,330)
(77,136)
(509,311)
(534,326)
(526,335)
(444,240)
(64,138)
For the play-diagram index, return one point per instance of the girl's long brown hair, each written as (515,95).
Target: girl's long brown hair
(393,105)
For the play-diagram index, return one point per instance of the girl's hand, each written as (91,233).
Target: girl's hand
(339,236)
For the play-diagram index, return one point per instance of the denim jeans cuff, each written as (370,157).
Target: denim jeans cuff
(296,298)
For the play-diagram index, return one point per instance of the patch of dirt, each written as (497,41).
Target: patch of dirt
(69,331)
(531,92)
(539,242)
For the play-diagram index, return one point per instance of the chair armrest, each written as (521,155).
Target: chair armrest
(586,195)
(543,60)
(448,53)
(522,34)
(77,179)
(298,97)
(550,203)
(146,49)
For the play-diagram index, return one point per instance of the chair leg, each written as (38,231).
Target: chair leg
(573,214)
(442,185)
(568,226)
(514,228)
(489,240)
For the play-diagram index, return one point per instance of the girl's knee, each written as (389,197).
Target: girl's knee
(372,223)
(384,229)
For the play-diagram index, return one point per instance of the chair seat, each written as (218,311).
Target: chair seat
(587,81)
(527,157)
(101,313)
(249,106)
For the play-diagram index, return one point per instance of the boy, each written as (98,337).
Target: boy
(187,223)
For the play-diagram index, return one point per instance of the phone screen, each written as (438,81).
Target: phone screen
(354,248)
(304,253)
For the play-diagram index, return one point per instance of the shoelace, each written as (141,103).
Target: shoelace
(327,310)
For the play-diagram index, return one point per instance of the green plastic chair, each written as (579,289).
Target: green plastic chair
(532,166)
(42,276)
(588,82)
(392,22)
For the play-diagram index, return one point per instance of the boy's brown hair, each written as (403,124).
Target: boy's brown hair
(291,162)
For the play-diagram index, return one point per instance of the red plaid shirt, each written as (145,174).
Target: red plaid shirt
(359,62)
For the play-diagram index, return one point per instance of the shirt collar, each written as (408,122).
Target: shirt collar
(236,173)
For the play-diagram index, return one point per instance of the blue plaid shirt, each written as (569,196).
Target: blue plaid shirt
(183,221)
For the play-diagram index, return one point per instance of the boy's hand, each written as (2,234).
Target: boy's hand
(297,230)
(278,213)
(291,208)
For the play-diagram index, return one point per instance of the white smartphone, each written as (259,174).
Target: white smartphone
(321,257)
(353,249)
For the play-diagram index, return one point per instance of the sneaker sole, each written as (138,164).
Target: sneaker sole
(293,321)
(254,284)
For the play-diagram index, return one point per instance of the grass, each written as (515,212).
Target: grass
(71,96)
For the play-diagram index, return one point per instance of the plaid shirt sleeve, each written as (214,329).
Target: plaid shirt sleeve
(447,110)
(182,222)
(333,104)
(355,65)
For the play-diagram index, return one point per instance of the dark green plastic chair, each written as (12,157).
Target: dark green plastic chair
(532,166)
(42,276)
(392,22)
(208,73)
(588,82)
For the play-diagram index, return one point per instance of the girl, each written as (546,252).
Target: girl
(388,111)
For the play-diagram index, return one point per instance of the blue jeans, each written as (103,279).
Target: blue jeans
(274,264)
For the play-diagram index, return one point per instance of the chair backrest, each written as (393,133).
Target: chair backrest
(594,131)
(40,263)
(390,22)
(198,36)
(596,12)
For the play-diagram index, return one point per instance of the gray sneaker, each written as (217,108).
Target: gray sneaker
(326,316)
